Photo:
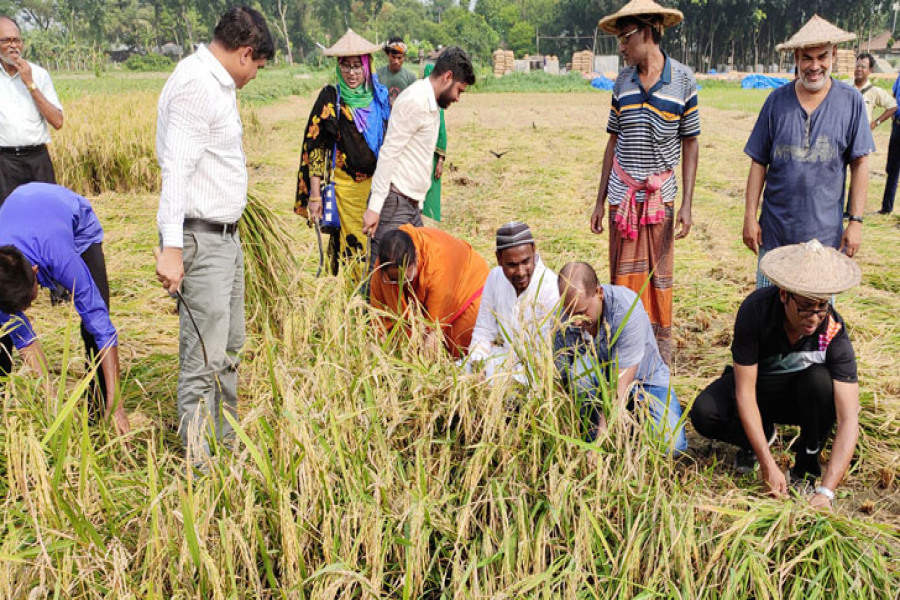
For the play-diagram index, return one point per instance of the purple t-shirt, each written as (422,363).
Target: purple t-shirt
(806,158)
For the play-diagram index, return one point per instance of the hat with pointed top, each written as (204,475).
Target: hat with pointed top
(810,270)
(816,32)
(641,8)
(351,44)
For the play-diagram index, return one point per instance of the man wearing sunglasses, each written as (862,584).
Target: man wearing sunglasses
(392,75)
(793,363)
(29,104)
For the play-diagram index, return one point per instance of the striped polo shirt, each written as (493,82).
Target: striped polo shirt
(650,126)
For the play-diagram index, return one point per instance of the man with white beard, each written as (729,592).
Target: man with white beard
(806,135)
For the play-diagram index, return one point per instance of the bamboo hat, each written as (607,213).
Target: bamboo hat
(816,32)
(641,8)
(810,270)
(351,44)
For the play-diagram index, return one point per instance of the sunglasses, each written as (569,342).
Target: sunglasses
(623,39)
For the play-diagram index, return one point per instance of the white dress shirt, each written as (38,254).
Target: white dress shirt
(511,327)
(406,157)
(199,147)
(21,123)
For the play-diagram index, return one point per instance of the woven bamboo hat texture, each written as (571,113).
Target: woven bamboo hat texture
(810,270)
(641,8)
(351,44)
(816,32)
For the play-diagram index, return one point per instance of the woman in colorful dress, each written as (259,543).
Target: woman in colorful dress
(343,136)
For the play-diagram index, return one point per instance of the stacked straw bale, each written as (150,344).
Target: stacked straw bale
(504,62)
(583,62)
(846,62)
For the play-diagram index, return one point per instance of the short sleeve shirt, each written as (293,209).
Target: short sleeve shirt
(21,123)
(635,344)
(806,157)
(650,125)
(875,97)
(395,82)
(760,339)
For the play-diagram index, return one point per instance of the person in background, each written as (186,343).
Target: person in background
(892,168)
(792,363)
(394,76)
(29,103)
(346,126)
(431,208)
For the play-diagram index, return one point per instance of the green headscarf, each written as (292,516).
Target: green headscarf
(361,95)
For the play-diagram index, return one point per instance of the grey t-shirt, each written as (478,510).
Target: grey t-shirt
(634,345)
(806,158)
(395,82)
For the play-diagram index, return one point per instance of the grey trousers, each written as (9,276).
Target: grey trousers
(397,210)
(213,287)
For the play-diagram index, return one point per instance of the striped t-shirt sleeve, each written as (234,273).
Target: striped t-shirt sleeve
(690,119)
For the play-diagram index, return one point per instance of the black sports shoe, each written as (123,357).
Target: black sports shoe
(745,460)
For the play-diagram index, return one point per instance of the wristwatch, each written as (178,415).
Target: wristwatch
(825,492)
(31,86)
(857,219)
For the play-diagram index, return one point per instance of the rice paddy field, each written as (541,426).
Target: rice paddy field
(364,469)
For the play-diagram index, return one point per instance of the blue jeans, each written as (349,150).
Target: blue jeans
(667,421)
(892,169)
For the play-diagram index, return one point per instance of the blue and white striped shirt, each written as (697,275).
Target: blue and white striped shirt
(650,126)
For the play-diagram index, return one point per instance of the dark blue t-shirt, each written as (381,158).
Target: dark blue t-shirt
(806,158)
(52,226)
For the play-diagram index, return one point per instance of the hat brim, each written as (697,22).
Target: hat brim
(670,18)
(814,43)
(819,277)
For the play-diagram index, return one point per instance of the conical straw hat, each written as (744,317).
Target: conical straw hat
(810,270)
(816,32)
(639,8)
(352,44)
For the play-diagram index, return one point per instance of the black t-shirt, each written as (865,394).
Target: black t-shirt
(760,339)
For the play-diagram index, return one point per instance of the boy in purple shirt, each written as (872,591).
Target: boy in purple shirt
(50,236)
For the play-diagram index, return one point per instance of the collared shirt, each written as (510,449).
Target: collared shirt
(876,97)
(512,321)
(52,227)
(21,123)
(650,125)
(406,156)
(576,350)
(806,157)
(199,147)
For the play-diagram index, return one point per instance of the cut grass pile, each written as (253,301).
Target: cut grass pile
(364,470)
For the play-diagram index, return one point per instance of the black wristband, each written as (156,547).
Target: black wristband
(857,219)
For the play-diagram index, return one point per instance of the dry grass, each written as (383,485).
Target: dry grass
(365,471)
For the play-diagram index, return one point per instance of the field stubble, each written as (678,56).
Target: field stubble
(363,470)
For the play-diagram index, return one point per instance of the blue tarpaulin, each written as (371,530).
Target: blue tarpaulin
(602,83)
(762,82)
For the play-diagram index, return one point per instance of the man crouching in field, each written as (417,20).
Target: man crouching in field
(204,192)
(610,326)
(50,236)
(793,364)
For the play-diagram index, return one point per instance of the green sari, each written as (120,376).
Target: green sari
(432,205)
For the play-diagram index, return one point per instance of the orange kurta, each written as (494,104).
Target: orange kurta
(449,274)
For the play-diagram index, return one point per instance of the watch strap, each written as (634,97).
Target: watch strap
(825,492)
(856,218)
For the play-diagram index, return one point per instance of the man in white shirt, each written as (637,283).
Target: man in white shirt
(28,103)
(204,192)
(405,163)
(515,318)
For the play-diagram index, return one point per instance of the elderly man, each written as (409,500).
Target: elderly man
(204,192)
(653,123)
(393,75)
(793,364)
(403,175)
(29,104)
(806,135)
(515,319)
(610,333)
(428,270)
(50,236)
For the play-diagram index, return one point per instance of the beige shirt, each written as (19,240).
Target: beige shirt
(875,96)
(405,159)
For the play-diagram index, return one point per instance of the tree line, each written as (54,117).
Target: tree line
(74,33)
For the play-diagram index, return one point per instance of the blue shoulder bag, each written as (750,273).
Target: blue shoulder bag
(331,220)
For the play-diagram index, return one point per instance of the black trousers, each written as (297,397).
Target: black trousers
(892,169)
(96,264)
(804,398)
(24,167)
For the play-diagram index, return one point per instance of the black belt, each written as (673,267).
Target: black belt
(22,150)
(210,226)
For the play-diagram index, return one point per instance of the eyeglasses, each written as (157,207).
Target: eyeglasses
(809,310)
(350,68)
(623,39)
(10,40)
